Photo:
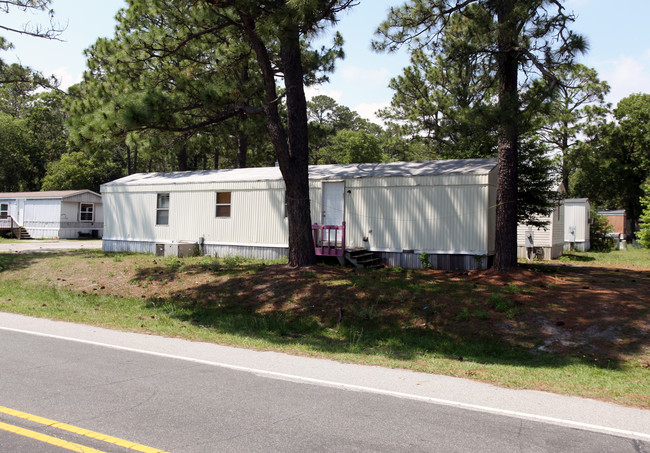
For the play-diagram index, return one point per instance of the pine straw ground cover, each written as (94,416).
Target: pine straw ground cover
(576,328)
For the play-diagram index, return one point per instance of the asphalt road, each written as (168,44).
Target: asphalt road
(182,396)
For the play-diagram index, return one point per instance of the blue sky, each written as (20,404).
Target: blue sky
(618,37)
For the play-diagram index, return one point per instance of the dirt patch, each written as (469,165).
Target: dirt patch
(600,313)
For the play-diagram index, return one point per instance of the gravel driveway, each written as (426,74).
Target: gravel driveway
(31,245)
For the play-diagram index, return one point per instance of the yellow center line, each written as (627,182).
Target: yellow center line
(80,431)
(47,439)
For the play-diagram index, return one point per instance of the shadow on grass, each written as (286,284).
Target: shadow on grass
(407,315)
(15,261)
(570,257)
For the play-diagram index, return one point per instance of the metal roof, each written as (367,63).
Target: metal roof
(576,200)
(317,172)
(611,212)
(45,194)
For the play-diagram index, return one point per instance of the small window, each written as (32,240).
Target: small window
(4,211)
(86,211)
(223,204)
(162,209)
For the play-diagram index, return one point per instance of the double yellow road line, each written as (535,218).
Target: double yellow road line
(70,428)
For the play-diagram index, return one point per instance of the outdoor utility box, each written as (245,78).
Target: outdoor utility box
(572,234)
(530,239)
(180,249)
(160,249)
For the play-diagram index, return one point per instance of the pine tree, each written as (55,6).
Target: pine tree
(529,36)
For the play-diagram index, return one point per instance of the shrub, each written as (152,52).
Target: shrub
(643,236)
(599,231)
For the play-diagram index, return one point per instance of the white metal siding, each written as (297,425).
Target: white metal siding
(558,231)
(69,212)
(256,217)
(577,214)
(551,238)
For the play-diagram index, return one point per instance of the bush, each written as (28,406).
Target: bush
(599,231)
(643,236)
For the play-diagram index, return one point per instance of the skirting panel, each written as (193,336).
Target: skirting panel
(43,233)
(441,262)
(577,246)
(109,245)
(265,253)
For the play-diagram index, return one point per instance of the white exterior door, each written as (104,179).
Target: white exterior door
(333,203)
(21,212)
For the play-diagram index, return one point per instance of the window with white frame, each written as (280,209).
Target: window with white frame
(162,209)
(4,210)
(86,212)
(223,204)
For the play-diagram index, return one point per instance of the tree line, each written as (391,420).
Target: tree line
(220,84)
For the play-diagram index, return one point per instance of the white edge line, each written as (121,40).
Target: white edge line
(358,388)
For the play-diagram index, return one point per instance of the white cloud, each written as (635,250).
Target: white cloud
(312,91)
(369,111)
(626,75)
(65,78)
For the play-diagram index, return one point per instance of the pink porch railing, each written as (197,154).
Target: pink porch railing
(329,240)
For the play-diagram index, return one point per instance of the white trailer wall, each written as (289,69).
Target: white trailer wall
(41,218)
(577,215)
(447,214)
(550,239)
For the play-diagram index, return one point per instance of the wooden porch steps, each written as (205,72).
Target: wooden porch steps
(362,258)
(24,234)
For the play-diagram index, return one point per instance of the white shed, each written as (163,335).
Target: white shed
(53,214)
(397,210)
(577,218)
(545,243)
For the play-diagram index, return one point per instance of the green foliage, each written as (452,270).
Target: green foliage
(76,171)
(18,152)
(578,103)
(424,259)
(613,162)
(338,135)
(351,147)
(643,236)
(599,231)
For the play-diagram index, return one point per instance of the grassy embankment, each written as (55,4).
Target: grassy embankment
(572,330)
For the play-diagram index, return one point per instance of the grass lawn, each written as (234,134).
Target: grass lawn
(579,326)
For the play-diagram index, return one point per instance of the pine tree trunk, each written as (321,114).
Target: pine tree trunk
(182,158)
(291,147)
(135,159)
(128,160)
(508,135)
(296,173)
(242,149)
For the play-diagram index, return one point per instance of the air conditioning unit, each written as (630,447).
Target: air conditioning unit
(179,249)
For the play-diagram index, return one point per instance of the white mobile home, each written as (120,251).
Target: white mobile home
(544,243)
(577,218)
(55,214)
(397,210)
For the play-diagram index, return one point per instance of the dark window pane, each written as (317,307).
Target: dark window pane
(223,211)
(223,197)
(163,200)
(162,217)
